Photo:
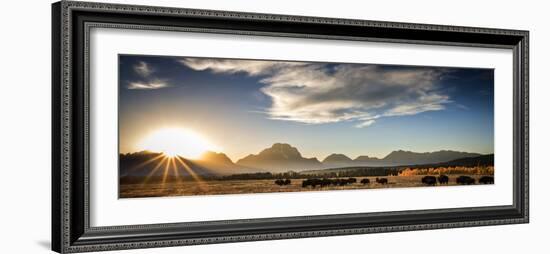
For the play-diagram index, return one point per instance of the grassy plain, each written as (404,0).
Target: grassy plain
(218,187)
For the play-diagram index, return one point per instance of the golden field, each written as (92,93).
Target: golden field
(218,187)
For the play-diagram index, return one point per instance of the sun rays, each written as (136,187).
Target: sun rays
(173,168)
(196,177)
(175,147)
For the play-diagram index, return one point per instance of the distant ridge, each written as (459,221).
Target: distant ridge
(483,160)
(146,163)
(395,158)
(215,158)
(279,158)
(408,157)
(337,160)
(284,157)
(336,157)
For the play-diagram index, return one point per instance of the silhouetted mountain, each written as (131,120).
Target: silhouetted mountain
(483,160)
(284,157)
(365,158)
(152,164)
(401,157)
(354,171)
(336,157)
(337,160)
(396,158)
(145,163)
(279,158)
(214,158)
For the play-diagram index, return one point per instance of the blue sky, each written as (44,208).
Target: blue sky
(244,106)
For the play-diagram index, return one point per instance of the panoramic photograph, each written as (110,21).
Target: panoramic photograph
(212,126)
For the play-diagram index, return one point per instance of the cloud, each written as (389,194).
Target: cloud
(316,93)
(150,85)
(250,67)
(364,124)
(462,106)
(147,82)
(143,69)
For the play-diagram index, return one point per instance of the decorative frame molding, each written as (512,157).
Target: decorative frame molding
(71,23)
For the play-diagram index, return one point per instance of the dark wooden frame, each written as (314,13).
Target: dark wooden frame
(71,22)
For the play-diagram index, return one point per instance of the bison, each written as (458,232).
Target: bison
(486,180)
(341,182)
(365,181)
(465,180)
(325,182)
(382,180)
(313,182)
(306,183)
(443,179)
(281,182)
(429,180)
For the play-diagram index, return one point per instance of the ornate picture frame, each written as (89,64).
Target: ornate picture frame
(71,24)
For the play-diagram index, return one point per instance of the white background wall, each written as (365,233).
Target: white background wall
(25,125)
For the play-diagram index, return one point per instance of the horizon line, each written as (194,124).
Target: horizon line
(314,157)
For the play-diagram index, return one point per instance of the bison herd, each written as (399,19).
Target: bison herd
(427,180)
(325,182)
(462,180)
(432,180)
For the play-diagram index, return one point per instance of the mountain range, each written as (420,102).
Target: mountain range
(398,157)
(277,158)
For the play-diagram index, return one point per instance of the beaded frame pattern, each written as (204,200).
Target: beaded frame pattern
(66,119)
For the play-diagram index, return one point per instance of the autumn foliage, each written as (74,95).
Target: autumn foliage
(479,170)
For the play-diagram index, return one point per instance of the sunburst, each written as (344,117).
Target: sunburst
(177,141)
(174,146)
(170,166)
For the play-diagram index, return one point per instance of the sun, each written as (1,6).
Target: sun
(177,141)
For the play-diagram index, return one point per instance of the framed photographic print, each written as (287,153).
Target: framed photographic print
(181,126)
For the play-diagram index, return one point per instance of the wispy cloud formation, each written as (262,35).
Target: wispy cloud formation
(143,69)
(250,67)
(156,84)
(315,93)
(364,124)
(148,81)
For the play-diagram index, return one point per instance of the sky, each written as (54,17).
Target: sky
(244,106)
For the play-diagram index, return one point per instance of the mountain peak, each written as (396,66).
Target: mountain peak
(280,156)
(337,157)
(281,151)
(215,157)
(366,158)
(281,146)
